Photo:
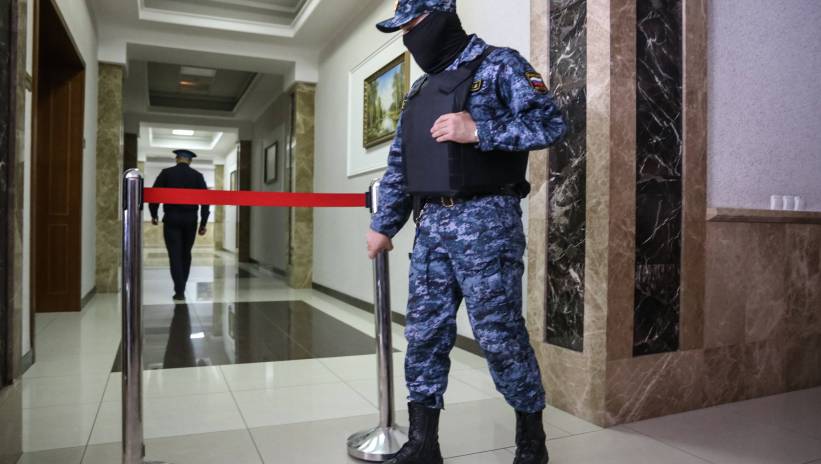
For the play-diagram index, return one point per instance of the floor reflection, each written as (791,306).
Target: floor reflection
(204,334)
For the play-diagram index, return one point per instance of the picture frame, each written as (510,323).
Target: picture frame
(270,163)
(383,97)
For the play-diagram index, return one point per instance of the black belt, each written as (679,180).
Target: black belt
(419,202)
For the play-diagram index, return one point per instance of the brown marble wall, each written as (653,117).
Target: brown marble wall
(109,172)
(750,286)
(300,264)
(762,327)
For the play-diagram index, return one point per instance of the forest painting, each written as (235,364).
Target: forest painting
(384,93)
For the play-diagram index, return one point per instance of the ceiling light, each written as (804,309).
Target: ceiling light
(183,132)
(201,72)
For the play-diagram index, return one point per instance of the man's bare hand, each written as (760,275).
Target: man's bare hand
(378,243)
(203,231)
(455,127)
(155,221)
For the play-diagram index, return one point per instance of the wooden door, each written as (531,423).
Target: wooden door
(58,167)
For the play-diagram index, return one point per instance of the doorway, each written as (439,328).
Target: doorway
(59,98)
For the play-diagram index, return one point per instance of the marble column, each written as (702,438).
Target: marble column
(12,113)
(586,228)
(219,211)
(300,265)
(109,171)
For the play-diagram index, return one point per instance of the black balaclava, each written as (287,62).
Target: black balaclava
(437,41)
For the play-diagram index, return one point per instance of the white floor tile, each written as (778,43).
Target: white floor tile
(797,411)
(71,365)
(322,442)
(301,404)
(265,376)
(719,436)
(56,391)
(350,368)
(234,447)
(615,447)
(56,427)
(163,383)
(493,457)
(479,379)
(57,456)
(457,392)
(169,417)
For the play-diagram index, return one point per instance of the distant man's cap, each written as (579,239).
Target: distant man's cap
(407,10)
(185,154)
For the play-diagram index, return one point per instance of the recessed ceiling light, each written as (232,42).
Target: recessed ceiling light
(183,132)
(201,72)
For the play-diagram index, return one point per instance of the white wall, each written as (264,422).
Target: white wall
(269,226)
(764,102)
(340,262)
(230,218)
(82,29)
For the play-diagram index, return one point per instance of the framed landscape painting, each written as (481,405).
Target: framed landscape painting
(384,94)
(271,163)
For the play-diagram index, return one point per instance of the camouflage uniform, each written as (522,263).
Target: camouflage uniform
(474,249)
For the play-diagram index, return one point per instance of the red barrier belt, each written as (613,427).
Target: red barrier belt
(270,199)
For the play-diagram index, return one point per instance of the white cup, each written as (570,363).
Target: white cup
(798,203)
(775,202)
(787,202)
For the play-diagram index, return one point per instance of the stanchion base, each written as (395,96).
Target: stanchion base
(377,445)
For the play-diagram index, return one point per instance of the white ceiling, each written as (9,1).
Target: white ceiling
(209,143)
(298,23)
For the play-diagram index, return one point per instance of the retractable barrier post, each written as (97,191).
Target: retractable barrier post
(132,303)
(384,441)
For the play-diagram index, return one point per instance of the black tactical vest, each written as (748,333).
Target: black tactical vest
(452,169)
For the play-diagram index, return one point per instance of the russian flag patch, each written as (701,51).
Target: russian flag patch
(536,81)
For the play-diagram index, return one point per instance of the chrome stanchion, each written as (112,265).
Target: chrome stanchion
(132,304)
(383,442)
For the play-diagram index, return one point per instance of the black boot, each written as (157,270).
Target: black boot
(423,444)
(530,439)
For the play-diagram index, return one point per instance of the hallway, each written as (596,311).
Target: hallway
(278,375)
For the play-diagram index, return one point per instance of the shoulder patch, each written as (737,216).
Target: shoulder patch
(477,86)
(536,81)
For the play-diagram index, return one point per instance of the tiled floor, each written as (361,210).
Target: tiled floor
(225,406)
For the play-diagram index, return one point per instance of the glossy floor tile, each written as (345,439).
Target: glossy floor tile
(215,334)
(249,371)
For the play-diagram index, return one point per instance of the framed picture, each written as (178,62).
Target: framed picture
(271,154)
(384,93)
(233,181)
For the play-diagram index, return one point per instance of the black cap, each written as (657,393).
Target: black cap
(185,154)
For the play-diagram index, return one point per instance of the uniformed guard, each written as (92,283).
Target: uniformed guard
(180,221)
(458,164)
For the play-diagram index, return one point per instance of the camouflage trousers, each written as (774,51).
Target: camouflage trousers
(471,251)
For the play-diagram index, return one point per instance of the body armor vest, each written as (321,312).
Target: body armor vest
(453,169)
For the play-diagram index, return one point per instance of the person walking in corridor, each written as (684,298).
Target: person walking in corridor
(469,239)
(180,221)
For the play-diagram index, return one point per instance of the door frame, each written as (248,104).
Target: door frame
(35,149)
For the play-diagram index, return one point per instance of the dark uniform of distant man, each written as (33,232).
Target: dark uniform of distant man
(180,221)
(458,163)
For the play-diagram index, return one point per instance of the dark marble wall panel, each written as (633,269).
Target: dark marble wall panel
(658,176)
(6,163)
(564,325)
